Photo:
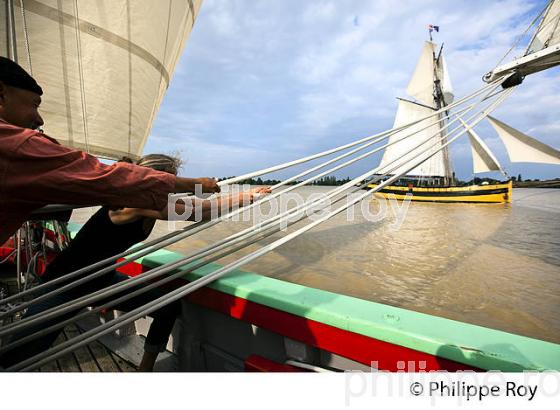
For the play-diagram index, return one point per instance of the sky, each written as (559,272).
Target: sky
(264,82)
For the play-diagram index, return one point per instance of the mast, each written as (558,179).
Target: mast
(439,102)
(11,46)
(406,144)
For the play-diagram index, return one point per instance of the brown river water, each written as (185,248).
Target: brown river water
(494,265)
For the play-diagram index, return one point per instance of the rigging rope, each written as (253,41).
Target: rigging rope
(5,260)
(520,37)
(269,198)
(73,284)
(177,294)
(26,37)
(175,236)
(84,301)
(252,234)
(81,74)
(435,113)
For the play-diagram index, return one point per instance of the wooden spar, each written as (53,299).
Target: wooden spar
(529,64)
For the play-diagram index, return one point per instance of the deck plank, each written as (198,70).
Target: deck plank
(91,358)
(85,359)
(103,358)
(123,365)
(94,357)
(68,362)
(51,367)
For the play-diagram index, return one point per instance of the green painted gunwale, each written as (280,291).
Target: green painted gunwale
(462,342)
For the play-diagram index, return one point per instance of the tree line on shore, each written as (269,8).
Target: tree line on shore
(334,181)
(324,181)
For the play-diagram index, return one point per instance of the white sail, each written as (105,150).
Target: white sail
(522,148)
(483,159)
(446,86)
(408,112)
(548,31)
(104,66)
(421,85)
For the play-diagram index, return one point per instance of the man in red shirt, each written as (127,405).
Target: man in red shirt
(35,170)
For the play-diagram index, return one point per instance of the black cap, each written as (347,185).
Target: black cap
(12,74)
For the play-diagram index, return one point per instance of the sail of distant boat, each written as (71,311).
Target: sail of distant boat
(542,52)
(548,31)
(523,148)
(433,179)
(104,66)
(483,158)
(430,86)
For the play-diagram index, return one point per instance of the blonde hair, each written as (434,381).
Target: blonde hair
(161,162)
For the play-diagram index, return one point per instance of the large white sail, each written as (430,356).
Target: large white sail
(421,85)
(548,31)
(104,66)
(422,88)
(522,148)
(399,151)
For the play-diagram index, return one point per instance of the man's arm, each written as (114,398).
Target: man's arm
(44,172)
(222,204)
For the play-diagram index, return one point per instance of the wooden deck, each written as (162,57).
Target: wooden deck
(91,358)
(94,357)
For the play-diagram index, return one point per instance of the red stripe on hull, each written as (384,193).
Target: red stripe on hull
(131,269)
(363,349)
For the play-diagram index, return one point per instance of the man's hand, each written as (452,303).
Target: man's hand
(248,197)
(209,185)
(263,190)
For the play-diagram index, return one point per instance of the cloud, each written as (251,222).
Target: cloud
(266,82)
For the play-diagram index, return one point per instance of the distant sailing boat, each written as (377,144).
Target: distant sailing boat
(431,88)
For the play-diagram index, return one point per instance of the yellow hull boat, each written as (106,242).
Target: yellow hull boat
(496,193)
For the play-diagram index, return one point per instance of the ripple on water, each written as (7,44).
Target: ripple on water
(493,265)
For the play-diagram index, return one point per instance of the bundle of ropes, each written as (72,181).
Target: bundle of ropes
(469,111)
